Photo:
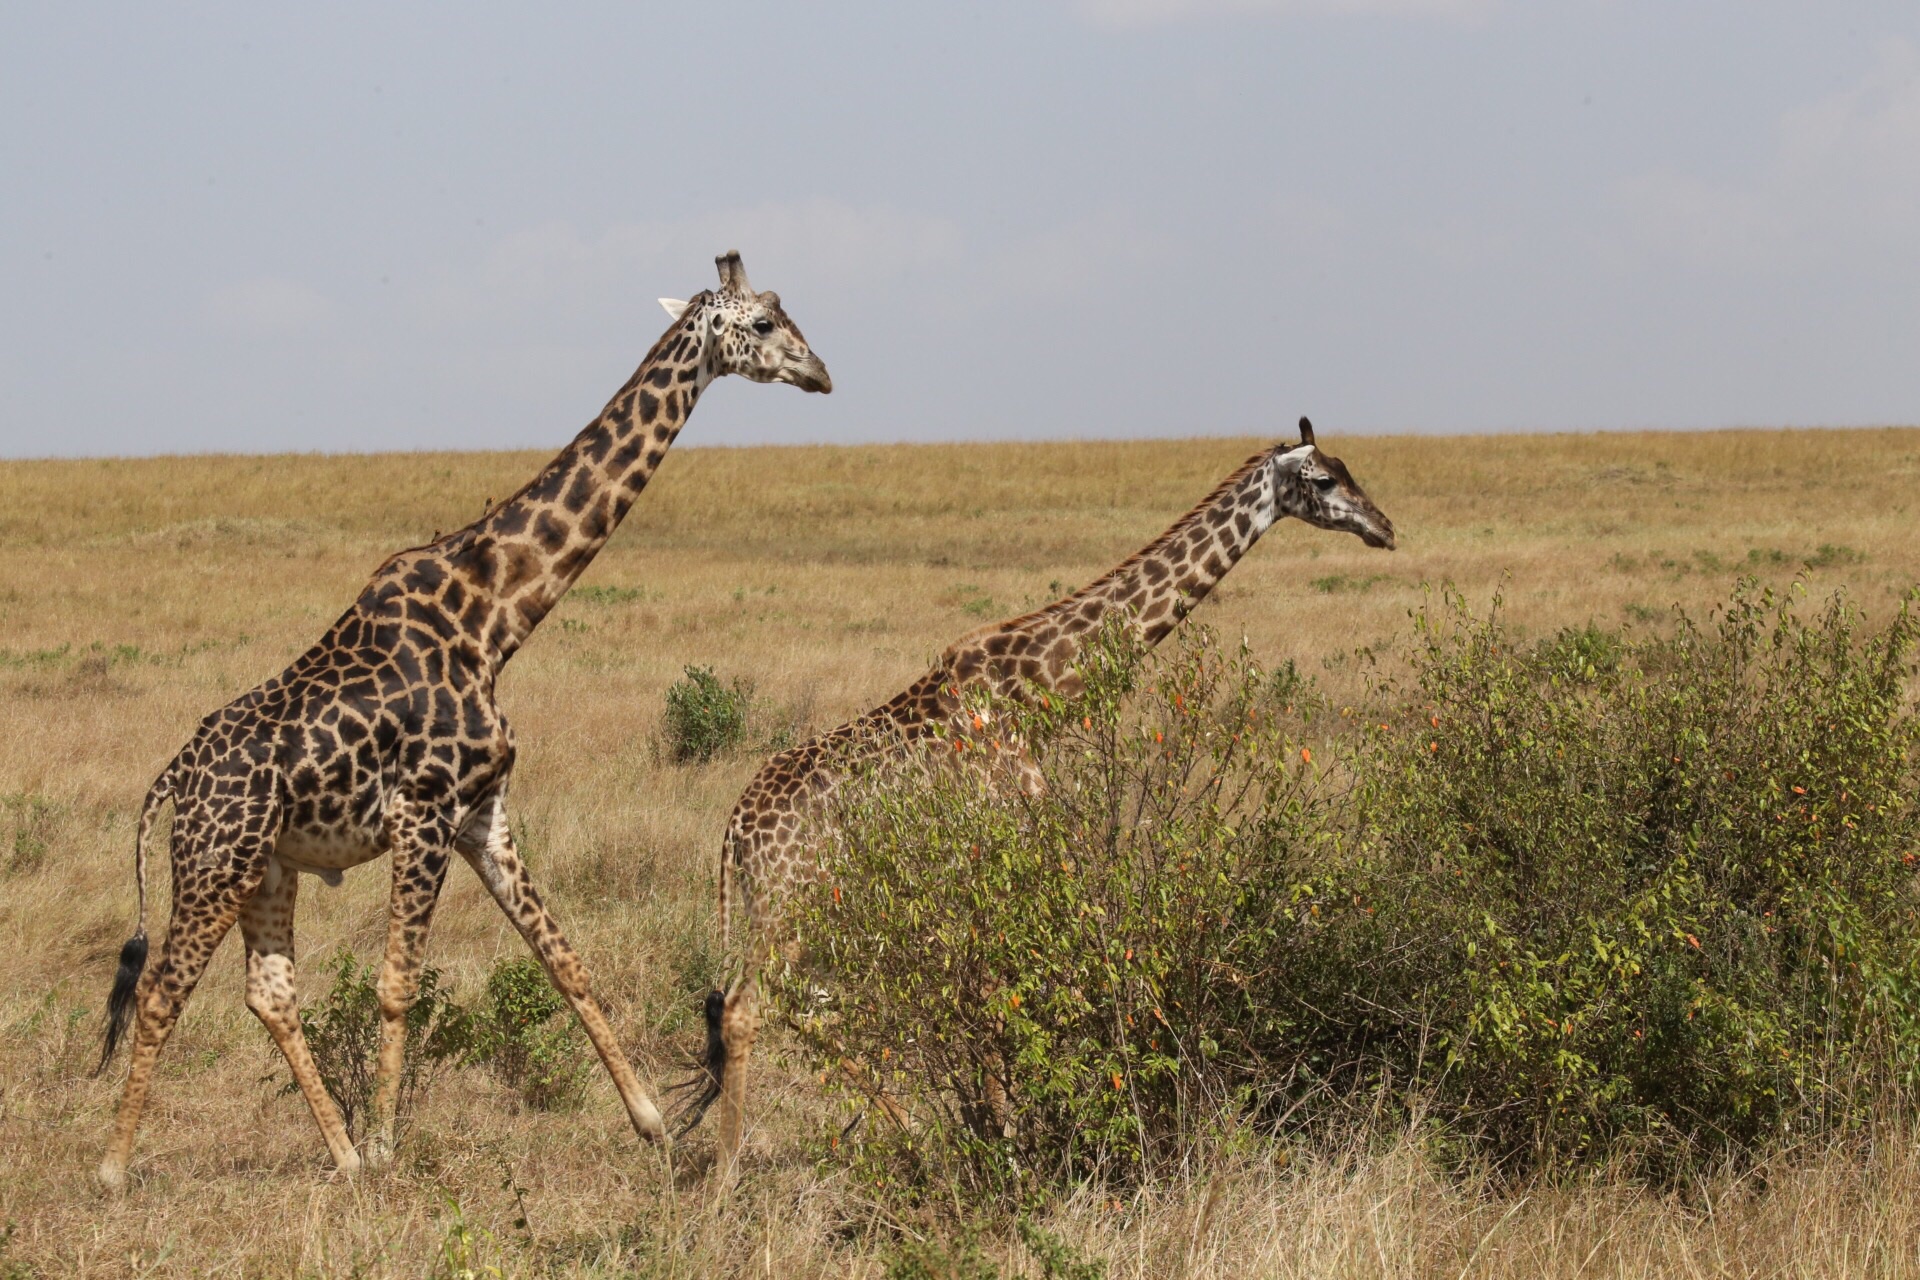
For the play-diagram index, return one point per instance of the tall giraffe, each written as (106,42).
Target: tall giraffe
(769,850)
(385,736)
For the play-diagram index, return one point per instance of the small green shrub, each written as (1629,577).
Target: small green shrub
(513,1032)
(343,1033)
(705,716)
(516,1034)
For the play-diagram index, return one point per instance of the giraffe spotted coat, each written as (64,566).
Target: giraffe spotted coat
(385,738)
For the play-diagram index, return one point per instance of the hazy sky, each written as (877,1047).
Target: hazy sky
(372,226)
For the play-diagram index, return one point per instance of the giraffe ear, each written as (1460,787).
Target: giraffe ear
(1306,432)
(674,306)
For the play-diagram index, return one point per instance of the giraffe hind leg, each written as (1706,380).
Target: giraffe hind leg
(487,845)
(266,922)
(739,1024)
(209,891)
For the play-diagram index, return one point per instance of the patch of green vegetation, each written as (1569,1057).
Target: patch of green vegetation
(602,595)
(520,1030)
(1830,554)
(1606,895)
(1338,583)
(706,716)
(343,1034)
(29,818)
(976,602)
(1580,653)
(35,657)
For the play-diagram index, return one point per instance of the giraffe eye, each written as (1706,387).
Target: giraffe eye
(763,326)
(1323,481)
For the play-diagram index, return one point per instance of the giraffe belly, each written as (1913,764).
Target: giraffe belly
(326,853)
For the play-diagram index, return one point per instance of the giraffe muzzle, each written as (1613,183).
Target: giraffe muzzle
(811,376)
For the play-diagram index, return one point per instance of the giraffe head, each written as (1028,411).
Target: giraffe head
(1316,487)
(748,333)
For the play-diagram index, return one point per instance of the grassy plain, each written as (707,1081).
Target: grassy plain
(135,596)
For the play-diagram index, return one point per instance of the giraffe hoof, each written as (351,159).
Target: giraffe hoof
(348,1165)
(113,1178)
(651,1128)
(378,1153)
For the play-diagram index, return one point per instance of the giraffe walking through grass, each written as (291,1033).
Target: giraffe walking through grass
(386,737)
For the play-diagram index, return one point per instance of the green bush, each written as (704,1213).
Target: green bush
(512,1032)
(342,1032)
(1067,983)
(516,1035)
(1643,897)
(1661,903)
(705,716)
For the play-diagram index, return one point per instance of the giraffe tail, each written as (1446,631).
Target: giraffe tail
(702,1088)
(133,955)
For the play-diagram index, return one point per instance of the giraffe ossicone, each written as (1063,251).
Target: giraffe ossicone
(385,737)
(770,849)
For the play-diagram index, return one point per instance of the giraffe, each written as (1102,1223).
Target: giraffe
(385,736)
(770,847)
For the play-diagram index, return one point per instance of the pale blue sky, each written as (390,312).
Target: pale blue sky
(373,226)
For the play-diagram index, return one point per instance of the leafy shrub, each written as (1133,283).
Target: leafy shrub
(343,1034)
(1663,903)
(1651,897)
(1066,982)
(513,1032)
(516,1035)
(705,716)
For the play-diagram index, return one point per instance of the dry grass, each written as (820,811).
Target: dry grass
(137,596)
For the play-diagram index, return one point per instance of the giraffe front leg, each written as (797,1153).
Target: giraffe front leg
(266,922)
(421,841)
(487,845)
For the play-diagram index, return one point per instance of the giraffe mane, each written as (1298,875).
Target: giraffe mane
(1174,531)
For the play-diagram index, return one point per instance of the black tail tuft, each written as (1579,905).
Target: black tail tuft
(711,1071)
(133,958)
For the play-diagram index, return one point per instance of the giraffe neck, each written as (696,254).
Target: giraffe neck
(1162,582)
(527,551)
